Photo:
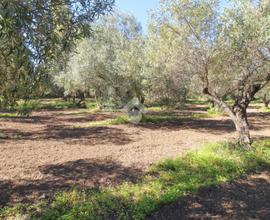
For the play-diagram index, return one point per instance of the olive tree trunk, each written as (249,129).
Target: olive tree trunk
(238,114)
(239,117)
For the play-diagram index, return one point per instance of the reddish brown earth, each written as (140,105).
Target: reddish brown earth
(245,199)
(50,151)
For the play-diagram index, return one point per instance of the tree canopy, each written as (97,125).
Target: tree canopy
(36,33)
(109,64)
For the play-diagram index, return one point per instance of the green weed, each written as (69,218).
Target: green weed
(156,119)
(166,182)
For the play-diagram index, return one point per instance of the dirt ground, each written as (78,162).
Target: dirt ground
(49,151)
(245,199)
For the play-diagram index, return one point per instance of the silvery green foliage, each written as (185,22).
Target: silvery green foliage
(226,51)
(34,33)
(168,80)
(223,48)
(108,65)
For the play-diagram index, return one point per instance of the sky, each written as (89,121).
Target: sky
(139,8)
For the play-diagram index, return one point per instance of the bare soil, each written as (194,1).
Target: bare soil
(245,199)
(50,151)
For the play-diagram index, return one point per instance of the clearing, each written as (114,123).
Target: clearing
(58,149)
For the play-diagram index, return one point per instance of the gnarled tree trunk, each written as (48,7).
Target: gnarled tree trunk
(242,126)
(238,114)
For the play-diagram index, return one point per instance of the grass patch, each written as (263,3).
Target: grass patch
(215,111)
(197,101)
(59,104)
(257,101)
(122,119)
(155,108)
(211,113)
(8,115)
(55,104)
(265,109)
(25,108)
(156,119)
(80,112)
(166,182)
(201,116)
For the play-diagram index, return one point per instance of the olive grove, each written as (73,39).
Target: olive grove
(192,47)
(34,34)
(227,51)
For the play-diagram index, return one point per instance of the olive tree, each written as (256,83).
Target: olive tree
(228,50)
(109,64)
(165,75)
(35,33)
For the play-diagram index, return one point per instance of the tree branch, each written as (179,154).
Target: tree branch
(217,100)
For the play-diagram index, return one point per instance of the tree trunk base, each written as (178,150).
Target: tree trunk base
(246,146)
(245,141)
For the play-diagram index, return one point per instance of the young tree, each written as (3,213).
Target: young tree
(229,51)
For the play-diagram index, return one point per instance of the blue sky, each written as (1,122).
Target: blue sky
(139,8)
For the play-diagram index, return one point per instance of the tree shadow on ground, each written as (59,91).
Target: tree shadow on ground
(83,136)
(53,117)
(214,126)
(258,121)
(248,198)
(82,174)
(60,128)
(92,135)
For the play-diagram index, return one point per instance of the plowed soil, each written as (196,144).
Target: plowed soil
(54,150)
(244,199)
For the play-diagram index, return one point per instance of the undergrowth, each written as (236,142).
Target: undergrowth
(166,182)
(211,113)
(156,119)
(122,119)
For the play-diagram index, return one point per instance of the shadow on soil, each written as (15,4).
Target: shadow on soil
(57,127)
(258,121)
(82,136)
(47,117)
(248,198)
(214,126)
(82,174)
